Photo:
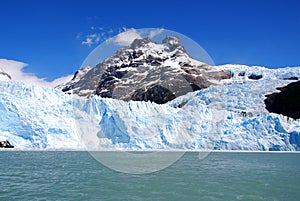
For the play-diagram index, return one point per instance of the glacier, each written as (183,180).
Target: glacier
(227,116)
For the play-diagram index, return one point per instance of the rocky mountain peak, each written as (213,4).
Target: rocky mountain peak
(138,43)
(81,72)
(146,71)
(76,78)
(172,42)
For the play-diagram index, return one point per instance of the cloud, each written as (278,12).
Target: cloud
(91,39)
(98,34)
(15,70)
(155,32)
(127,37)
(88,41)
(95,35)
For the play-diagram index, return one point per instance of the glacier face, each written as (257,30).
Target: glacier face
(36,117)
(229,116)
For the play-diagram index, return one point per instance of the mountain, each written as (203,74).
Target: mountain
(145,71)
(229,116)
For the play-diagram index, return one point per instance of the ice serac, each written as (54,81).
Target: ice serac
(147,71)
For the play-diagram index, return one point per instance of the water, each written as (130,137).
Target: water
(220,176)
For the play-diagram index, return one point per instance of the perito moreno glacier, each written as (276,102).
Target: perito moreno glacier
(228,116)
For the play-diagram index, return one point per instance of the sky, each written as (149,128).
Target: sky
(46,40)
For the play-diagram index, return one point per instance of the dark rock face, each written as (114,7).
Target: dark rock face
(156,93)
(286,102)
(6,144)
(146,71)
(5,74)
(255,77)
(242,74)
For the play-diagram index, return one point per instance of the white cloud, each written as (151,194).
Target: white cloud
(127,37)
(88,41)
(155,32)
(91,39)
(99,34)
(15,70)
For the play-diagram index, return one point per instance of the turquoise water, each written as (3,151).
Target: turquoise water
(220,176)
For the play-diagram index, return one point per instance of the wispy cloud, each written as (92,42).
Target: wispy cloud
(96,33)
(15,70)
(127,37)
(124,36)
(155,32)
(91,39)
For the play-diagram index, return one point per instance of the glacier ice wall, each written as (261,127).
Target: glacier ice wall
(229,116)
(36,117)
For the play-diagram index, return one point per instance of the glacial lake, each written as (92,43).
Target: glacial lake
(76,175)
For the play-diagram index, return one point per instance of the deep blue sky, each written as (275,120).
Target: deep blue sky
(48,34)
